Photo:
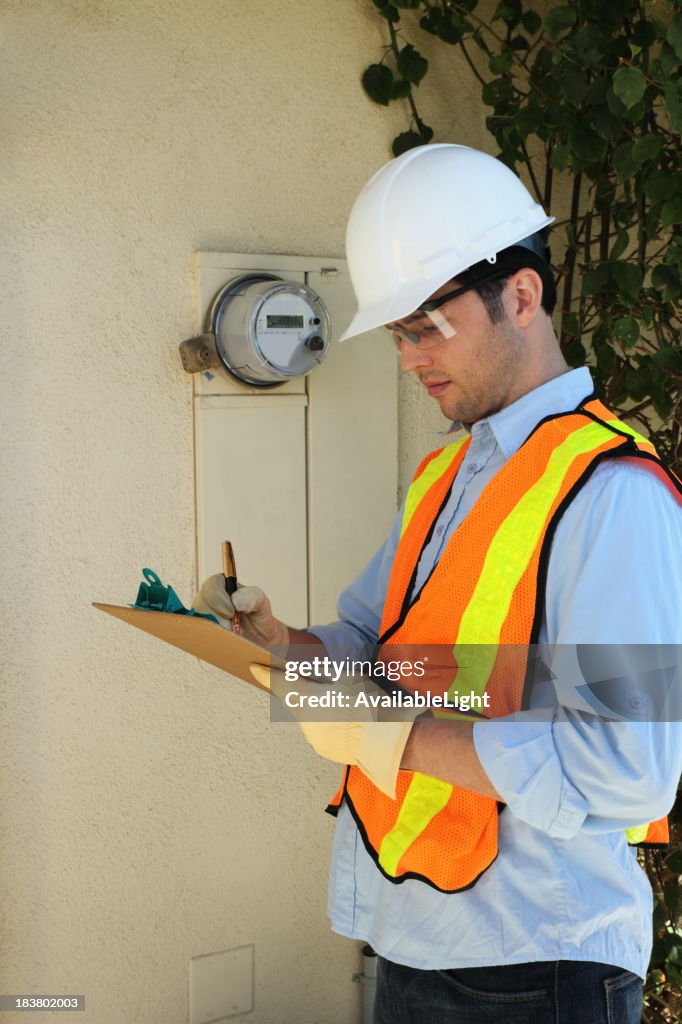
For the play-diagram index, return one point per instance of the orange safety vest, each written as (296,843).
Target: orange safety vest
(483,602)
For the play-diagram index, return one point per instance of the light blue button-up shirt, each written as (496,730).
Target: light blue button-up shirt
(565,884)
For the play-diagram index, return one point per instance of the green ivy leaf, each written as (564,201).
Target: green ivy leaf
(408,5)
(531,21)
(646,148)
(619,43)
(615,105)
(596,94)
(542,65)
(528,120)
(560,157)
(666,279)
(671,212)
(508,11)
(589,46)
(559,19)
(411,64)
(445,24)
(387,10)
(674,947)
(629,85)
(501,63)
(627,331)
(674,257)
(659,186)
(585,143)
(496,92)
(673,102)
(646,315)
(668,358)
(574,352)
(606,192)
(377,81)
(401,90)
(606,360)
(574,83)
(607,125)
(405,141)
(596,279)
(667,60)
(635,115)
(620,245)
(628,277)
(644,33)
(674,35)
(674,974)
(636,385)
(623,163)
(663,405)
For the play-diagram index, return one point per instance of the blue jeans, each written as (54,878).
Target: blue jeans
(549,992)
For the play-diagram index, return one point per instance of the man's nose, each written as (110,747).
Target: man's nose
(412,357)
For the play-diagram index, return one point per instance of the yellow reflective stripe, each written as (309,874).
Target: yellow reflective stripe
(435,469)
(637,834)
(507,559)
(639,438)
(474,664)
(425,797)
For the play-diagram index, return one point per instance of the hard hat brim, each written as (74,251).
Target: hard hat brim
(376,316)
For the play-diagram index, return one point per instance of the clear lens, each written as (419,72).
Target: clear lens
(424,331)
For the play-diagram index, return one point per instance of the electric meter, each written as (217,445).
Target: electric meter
(263,330)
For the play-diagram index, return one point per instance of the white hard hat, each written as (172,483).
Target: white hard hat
(425,217)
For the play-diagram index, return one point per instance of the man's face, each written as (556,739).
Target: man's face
(474,373)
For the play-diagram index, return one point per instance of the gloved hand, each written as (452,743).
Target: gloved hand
(256,621)
(373,738)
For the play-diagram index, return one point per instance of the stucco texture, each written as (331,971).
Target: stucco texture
(147,815)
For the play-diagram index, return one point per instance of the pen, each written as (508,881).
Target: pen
(230,574)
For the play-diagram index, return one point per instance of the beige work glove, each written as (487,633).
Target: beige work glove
(371,738)
(256,621)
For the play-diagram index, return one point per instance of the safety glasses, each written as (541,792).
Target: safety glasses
(430,325)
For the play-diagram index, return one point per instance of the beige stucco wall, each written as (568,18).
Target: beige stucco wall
(147,818)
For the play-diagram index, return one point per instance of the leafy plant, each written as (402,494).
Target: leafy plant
(590,91)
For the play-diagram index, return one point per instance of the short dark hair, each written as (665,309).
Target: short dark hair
(516,257)
(491,297)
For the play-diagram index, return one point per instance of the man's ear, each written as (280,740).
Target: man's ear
(524,295)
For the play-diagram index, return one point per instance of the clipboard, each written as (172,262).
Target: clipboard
(201,637)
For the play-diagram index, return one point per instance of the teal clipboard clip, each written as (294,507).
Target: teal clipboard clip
(154,596)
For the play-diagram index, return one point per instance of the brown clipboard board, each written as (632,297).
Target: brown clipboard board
(200,637)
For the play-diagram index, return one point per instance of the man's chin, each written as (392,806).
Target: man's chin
(458,412)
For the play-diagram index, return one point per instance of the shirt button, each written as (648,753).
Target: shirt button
(440,530)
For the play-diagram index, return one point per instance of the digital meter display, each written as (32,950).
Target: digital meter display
(284,321)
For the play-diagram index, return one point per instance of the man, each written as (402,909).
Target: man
(485,857)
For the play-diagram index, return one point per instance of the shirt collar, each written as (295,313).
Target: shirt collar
(512,425)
